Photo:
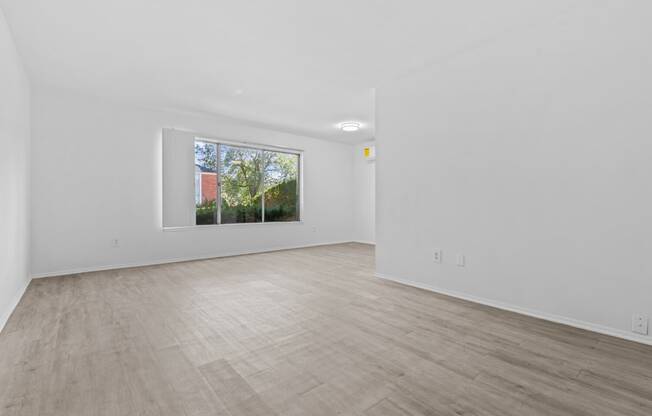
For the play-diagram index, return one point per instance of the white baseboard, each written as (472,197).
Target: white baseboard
(12,305)
(524,311)
(174,260)
(371,243)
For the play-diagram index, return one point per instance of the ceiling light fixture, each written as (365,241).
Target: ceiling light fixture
(350,126)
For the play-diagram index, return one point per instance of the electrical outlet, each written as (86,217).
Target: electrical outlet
(437,256)
(639,324)
(461,260)
(115,243)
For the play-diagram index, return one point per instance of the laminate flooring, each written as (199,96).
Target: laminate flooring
(299,332)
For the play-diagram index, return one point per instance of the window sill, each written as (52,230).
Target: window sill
(240,224)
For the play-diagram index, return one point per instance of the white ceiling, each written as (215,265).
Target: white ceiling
(294,65)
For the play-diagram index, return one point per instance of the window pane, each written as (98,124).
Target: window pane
(281,186)
(205,183)
(241,176)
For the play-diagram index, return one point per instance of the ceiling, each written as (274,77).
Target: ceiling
(294,65)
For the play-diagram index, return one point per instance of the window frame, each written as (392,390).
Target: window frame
(257,147)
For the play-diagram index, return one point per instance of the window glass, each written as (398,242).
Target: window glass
(206,183)
(241,171)
(281,186)
(241,184)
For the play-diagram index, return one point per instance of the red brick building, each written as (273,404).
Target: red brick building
(205,185)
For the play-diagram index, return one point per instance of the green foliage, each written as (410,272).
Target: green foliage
(241,175)
(206,212)
(241,213)
(206,156)
(245,174)
(281,202)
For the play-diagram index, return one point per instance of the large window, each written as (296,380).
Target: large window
(242,184)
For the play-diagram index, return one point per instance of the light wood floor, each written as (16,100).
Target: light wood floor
(300,332)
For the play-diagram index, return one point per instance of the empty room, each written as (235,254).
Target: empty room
(303,208)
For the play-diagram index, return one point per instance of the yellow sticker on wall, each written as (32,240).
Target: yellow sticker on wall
(367,152)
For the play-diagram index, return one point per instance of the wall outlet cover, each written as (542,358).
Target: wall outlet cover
(437,256)
(640,324)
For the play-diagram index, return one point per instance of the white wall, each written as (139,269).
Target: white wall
(14,175)
(532,155)
(97,177)
(364,195)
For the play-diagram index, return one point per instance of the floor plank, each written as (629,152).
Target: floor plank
(298,332)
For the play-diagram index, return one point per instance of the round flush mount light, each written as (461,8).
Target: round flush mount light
(350,126)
